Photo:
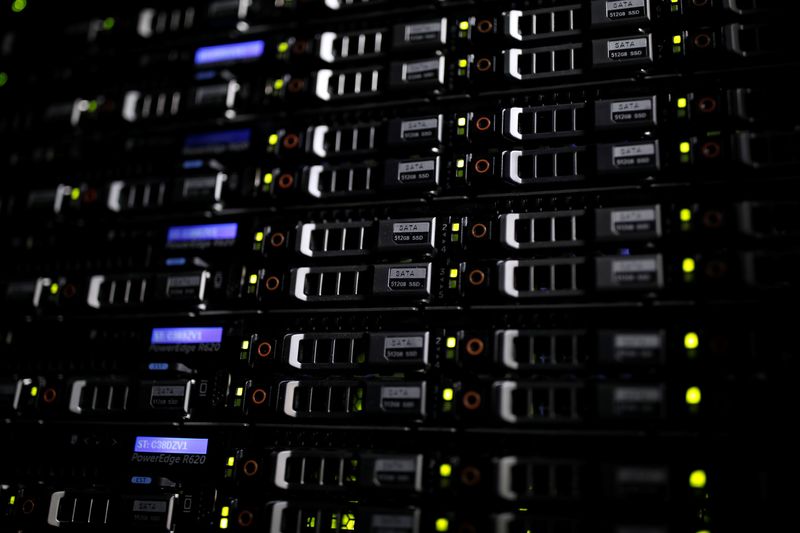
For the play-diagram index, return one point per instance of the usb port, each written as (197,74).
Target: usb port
(545,62)
(317,399)
(338,239)
(336,47)
(325,182)
(330,284)
(327,141)
(332,85)
(544,122)
(542,23)
(537,278)
(546,165)
(540,349)
(520,403)
(553,229)
(329,351)
(524,479)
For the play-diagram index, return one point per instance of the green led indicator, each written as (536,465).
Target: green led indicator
(108,23)
(19,5)
(3,78)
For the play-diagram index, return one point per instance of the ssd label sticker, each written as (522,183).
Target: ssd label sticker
(624,49)
(626,9)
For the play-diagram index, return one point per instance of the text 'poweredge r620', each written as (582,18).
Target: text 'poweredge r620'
(399,266)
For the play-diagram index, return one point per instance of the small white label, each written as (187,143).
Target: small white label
(634,150)
(633,215)
(627,44)
(401,393)
(623,4)
(637,340)
(624,266)
(411,227)
(632,105)
(423,29)
(395,465)
(422,66)
(638,394)
(408,273)
(416,125)
(416,166)
(403,342)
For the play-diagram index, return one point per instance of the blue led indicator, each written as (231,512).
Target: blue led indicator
(175,261)
(192,163)
(141,480)
(223,53)
(158,366)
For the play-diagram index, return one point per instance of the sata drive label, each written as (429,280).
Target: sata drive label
(634,221)
(624,49)
(637,401)
(419,129)
(636,346)
(401,398)
(635,271)
(411,232)
(421,70)
(167,396)
(396,471)
(423,31)
(626,9)
(414,279)
(637,155)
(417,171)
(146,506)
(632,111)
(404,348)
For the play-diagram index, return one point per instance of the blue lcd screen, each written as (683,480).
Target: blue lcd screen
(185,335)
(175,445)
(223,53)
(227,137)
(203,232)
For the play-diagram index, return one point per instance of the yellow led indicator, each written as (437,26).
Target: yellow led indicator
(460,163)
(54,288)
(462,121)
(462,63)
(75,193)
(268,178)
(688,265)
(34,391)
(283,47)
(453,272)
(273,139)
(683,103)
(253,279)
(245,345)
(259,236)
(348,522)
(451,342)
(674,1)
(11,500)
(278,84)
(445,470)
(239,391)
(693,396)
(686,215)
(697,479)
(19,5)
(225,511)
(447,394)
(223,523)
(442,524)
(691,341)
(455,226)
(685,147)
(463,25)
(231,460)
(677,39)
